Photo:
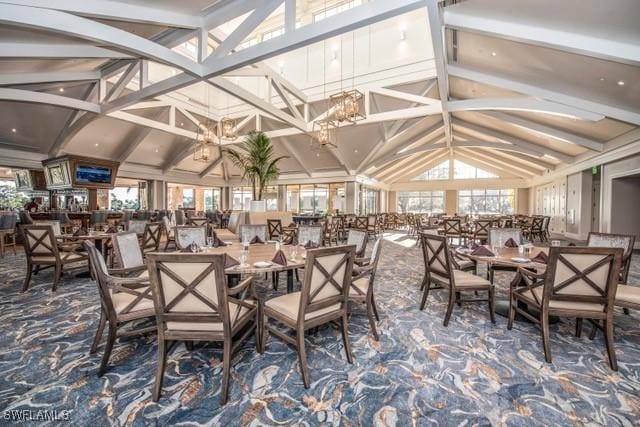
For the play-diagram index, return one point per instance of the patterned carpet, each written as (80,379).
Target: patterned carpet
(420,373)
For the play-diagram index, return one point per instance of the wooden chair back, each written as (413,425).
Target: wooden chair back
(274,228)
(186,235)
(249,231)
(536,224)
(40,241)
(198,221)
(126,249)
(372,266)
(326,283)
(57,229)
(361,222)
(582,275)
(499,236)
(437,261)
(310,233)
(359,239)
(178,216)
(624,241)
(453,227)
(137,226)
(481,229)
(151,237)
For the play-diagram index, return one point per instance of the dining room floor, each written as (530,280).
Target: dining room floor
(419,373)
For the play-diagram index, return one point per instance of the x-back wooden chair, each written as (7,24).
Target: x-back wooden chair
(439,272)
(122,300)
(274,228)
(151,237)
(323,299)
(579,282)
(194,303)
(361,289)
(453,229)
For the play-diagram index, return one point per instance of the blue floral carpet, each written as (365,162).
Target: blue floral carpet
(420,373)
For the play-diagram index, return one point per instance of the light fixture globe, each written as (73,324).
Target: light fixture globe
(202,152)
(347,106)
(228,128)
(204,141)
(323,134)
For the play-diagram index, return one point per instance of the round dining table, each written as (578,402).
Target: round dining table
(261,253)
(98,238)
(508,257)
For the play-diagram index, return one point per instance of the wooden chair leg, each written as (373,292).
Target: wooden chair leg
(111,339)
(512,312)
(579,327)
(375,308)
(372,321)
(424,282)
(226,368)
(625,310)
(345,338)
(265,333)
(608,336)
(162,359)
(544,327)
(302,358)
(425,295)
(452,300)
(27,279)
(98,337)
(492,312)
(56,277)
(594,330)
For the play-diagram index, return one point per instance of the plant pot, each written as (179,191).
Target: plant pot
(258,206)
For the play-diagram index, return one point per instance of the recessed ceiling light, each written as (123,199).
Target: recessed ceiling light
(355,151)
(96,144)
(494,54)
(14,130)
(620,82)
(156,150)
(601,79)
(181,123)
(61,89)
(317,154)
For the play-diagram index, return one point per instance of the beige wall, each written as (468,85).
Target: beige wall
(579,187)
(392,201)
(451,202)
(522,201)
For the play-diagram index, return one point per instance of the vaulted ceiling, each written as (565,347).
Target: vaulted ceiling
(518,89)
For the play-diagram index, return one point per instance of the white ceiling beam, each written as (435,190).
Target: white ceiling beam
(510,160)
(126,77)
(489,162)
(131,142)
(419,164)
(546,131)
(352,19)
(501,163)
(247,26)
(531,105)
(143,121)
(20,95)
(590,44)
(382,173)
(495,135)
(211,167)
(87,29)
(431,146)
(179,157)
(471,160)
(404,96)
(501,146)
(251,99)
(52,77)
(114,10)
(423,130)
(504,82)
(57,51)
(535,160)
(76,120)
(289,16)
(290,105)
(297,156)
(227,11)
(148,104)
(163,87)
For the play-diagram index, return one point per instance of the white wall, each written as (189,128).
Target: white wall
(579,201)
(626,200)
(611,171)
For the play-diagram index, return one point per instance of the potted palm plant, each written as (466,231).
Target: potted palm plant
(255,158)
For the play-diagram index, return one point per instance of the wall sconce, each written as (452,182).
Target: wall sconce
(403,35)
(335,54)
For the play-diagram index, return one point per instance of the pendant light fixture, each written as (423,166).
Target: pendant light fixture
(228,126)
(205,136)
(323,133)
(348,105)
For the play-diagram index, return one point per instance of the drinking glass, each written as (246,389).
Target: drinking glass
(243,258)
(92,230)
(194,248)
(209,242)
(293,251)
(555,243)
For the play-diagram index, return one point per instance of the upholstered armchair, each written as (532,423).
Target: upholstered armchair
(439,272)
(169,232)
(323,299)
(194,303)
(310,234)
(122,301)
(249,231)
(580,283)
(361,290)
(359,239)
(44,251)
(186,235)
(128,256)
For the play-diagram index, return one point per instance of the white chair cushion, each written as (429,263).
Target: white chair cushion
(209,326)
(628,294)
(561,305)
(362,284)
(122,299)
(464,278)
(289,305)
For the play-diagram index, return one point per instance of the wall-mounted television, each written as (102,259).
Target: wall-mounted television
(86,174)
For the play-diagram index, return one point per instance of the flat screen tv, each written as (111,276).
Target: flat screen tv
(86,174)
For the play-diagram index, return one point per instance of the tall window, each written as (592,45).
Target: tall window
(212,199)
(369,200)
(315,199)
(270,196)
(332,10)
(9,197)
(241,197)
(124,198)
(464,171)
(273,33)
(421,201)
(486,201)
(188,198)
(439,172)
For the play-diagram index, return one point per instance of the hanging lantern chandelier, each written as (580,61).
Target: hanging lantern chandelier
(348,106)
(323,134)
(205,139)
(228,129)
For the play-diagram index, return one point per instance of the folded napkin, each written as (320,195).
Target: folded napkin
(572,244)
(279,258)
(230,261)
(482,251)
(191,247)
(216,241)
(111,230)
(81,232)
(310,245)
(541,258)
(510,243)
(255,239)
(474,246)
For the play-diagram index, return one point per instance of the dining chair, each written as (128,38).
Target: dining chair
(143,215)
(123,300)
(274,227)
(137,226)
(480,232)
(361,289)
(194,303)
(359,239)
(169,232)
(151,237)
(360,223)
(128,255)
(453,229)
(43,251)
(310,234)
(323,298)
(57,229)
(372,225)
(249,231)
(178,216)
(440,272)
(8,222)
(579,282)
(187,234)
(498,237)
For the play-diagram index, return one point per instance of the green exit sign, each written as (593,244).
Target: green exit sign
(594,170)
